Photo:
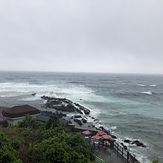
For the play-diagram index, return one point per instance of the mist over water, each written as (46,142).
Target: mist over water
(130,105)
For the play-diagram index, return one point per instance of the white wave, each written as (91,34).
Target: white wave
(113,128)
(57,88)
(140,153)
(141,85)
(153,85)
(32,98)
(148,93)
(9,95)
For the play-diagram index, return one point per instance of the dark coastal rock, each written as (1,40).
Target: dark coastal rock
(33,94)
(78,110)
(78,121)
(102,128)
(127,141)
(77,116)
(85,110)
(70,108)
(84,120)
(138,143)
(64,104)
(113,136)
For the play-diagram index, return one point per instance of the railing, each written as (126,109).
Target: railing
(99,160)
(125,154)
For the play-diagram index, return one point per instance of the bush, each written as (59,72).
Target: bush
(7,153)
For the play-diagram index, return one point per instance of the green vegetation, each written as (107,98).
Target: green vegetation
(35,142)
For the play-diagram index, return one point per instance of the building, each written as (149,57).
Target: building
(17,113)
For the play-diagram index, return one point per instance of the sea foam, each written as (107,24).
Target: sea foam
(148,93)
(153,85)
(141,85)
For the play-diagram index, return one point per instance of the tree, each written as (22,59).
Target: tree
(29,122)
(49,151)
(66,148)
(52,122)
(34,142)
(7,153)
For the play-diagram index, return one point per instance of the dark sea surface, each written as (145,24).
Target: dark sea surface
(131,106)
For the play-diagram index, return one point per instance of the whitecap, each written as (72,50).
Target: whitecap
(153,85)
(148,93)
(141,85)
(113,128)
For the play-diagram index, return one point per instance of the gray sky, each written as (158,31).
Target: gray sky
(117,36)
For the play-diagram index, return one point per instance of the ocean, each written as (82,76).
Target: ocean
(130,105)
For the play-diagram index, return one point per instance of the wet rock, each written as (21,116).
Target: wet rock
(77,116)
(113,136)
(64,104)
(33,94)
(127,141)
(138,143)
(78,121)
(84,120)
(102,128)
(70,108)
(78,110)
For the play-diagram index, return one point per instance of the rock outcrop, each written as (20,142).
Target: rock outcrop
(65,105)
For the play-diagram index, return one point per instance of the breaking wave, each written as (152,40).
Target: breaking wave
(148,93)
(153,85)
(141,85)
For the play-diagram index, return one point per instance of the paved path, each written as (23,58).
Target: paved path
(109,156)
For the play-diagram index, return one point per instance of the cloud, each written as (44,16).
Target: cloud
(92,36)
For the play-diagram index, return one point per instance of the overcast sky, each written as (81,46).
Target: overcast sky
(114,36)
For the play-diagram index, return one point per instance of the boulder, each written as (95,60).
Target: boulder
(113,136)
(127,141)
(33,94)
(78,121)
(138,143)
(84,120)
(77,116)
(70,108)
(78,110)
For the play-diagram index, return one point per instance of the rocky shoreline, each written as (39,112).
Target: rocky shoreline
(80,116)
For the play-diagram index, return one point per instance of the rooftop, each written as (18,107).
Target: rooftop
(19,111)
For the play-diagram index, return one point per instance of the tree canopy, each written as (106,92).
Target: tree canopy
(35,142)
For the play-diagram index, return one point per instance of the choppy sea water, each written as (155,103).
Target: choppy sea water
(131,106)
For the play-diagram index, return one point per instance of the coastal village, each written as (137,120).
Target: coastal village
(78,119)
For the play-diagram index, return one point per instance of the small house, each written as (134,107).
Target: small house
(17,113)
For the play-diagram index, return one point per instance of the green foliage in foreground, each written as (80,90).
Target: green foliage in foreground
(36,142)
(7,152)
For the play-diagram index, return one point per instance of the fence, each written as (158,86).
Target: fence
(125,154)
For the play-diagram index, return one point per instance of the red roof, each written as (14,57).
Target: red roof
(19,111)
